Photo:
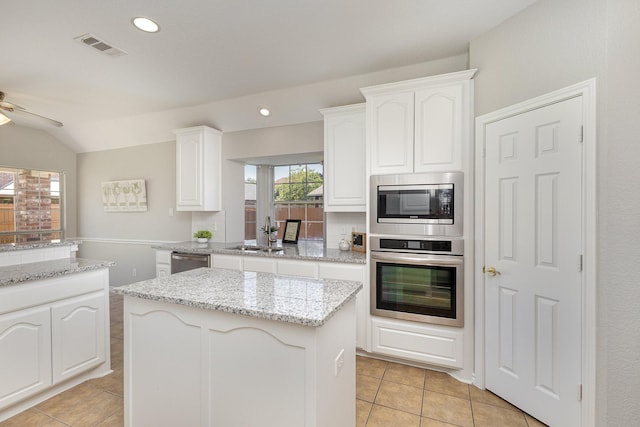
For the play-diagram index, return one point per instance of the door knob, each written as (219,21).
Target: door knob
(491,271)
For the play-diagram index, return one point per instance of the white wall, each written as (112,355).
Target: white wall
(553,44)
(22,147)
(126,238)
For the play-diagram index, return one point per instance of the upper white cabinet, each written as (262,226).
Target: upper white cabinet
(420,125)
(198,169)
(344,158)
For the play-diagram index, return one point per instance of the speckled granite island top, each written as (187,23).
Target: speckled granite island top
(308,302)
(304,250)
(11,247)
(21,273)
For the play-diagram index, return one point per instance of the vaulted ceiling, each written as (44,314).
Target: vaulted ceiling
(214,61)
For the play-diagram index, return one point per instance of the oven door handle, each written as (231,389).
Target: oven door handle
(445,260)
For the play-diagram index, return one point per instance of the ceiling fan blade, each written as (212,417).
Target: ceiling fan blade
(9,106)
(37,116)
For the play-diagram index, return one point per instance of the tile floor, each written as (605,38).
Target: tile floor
(388,394)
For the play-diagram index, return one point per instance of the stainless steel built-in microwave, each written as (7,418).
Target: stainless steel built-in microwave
(420,204)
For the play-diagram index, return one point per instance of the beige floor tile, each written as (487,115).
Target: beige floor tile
(532,422)
(117,353)
(362,412)
(382,416)
(485,415)
(31,417)
(449,409)
(485,396)
(404,374)
(83,405)
(370,367)
(113,383)
(115,420)
(429,422)
(367,387)
(444,383)
(399,396)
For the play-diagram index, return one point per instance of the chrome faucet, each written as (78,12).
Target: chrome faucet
(267,230)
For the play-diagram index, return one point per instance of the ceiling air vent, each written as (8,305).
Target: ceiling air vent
(100,45)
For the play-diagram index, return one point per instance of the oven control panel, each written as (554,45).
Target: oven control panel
(442,246)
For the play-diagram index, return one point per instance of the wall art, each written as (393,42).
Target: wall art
(124,196)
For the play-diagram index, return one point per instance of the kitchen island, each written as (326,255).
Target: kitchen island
(54,328)
(218,347)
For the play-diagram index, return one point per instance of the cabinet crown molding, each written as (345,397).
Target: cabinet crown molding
(407,85)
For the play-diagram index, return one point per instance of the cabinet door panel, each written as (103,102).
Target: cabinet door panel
(391,132)
(78,335)
(189,164)
(25,354)
(438,140)
(345,160)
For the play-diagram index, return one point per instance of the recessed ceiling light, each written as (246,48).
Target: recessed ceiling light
(145,24)
(264,111)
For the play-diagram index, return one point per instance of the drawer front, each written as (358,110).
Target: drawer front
(298,268)
(163,257)
(263,265)
(226,261)
(437,346)
(329,270)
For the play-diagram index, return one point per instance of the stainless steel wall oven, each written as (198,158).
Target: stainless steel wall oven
(418,279)
(417,204)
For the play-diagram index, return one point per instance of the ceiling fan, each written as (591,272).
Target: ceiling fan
(13,108)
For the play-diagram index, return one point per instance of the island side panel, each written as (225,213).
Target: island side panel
(284,372)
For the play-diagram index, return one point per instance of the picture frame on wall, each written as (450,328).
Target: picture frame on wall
(291,231)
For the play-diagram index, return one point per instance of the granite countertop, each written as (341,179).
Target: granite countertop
(20,273)
(9,247)
(304,250)
(308,302)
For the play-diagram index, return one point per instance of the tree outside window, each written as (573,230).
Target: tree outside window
(298,194)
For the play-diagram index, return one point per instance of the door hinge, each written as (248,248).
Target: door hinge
(579,392)
(581,134)
(580,263)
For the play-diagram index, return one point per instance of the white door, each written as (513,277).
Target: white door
(533,223)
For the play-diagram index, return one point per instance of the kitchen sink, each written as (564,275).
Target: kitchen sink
(253,248)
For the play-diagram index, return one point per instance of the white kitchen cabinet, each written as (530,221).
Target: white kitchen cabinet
(420,125)
(25,354)
(198,169)
(297,268)
(233,262)
(259,264)
(163,263)
(418,342)
(79,335)
(344,158)
(54,334)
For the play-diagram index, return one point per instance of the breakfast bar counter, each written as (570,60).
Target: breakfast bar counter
(239,348)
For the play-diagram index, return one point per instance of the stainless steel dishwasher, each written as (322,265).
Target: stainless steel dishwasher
(183,261)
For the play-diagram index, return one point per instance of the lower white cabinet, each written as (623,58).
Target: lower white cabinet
(25,354)
(163,263)
(232,262)
(79,332)
(54,334)
(421,343)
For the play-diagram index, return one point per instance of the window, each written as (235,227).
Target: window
(298,194)
(250,202)
(30,205)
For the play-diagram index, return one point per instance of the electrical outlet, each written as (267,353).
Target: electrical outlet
(339,363)
(134,272)
(170,211)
